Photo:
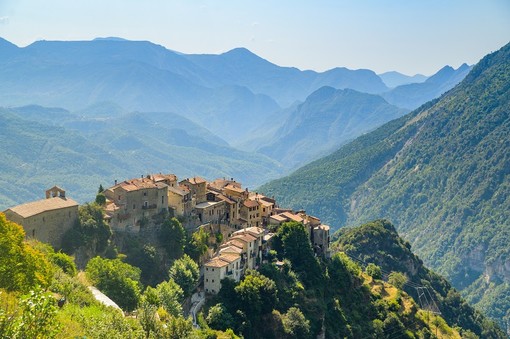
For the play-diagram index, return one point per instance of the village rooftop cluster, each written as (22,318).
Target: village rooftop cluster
(247,219)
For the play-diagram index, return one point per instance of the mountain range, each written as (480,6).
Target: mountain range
(100,92)
(230,94)
(42,147)
(440,174)
(87,112)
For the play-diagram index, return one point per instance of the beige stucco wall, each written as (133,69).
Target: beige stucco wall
(214,275)
(212,278)
(49,226)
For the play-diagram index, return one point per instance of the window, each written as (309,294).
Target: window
(162,199)
(145,204)
(212,280)
(134,206)
(206,280)
(144,194)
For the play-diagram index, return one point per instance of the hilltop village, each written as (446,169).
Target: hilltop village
(247,220)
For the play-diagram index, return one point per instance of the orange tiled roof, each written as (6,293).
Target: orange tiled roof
(216,262)
(231,249)
(229,257)
(292,216)
(250,203)
(235,242)
(137,184)
(234,189)
(244,237)
(196,180)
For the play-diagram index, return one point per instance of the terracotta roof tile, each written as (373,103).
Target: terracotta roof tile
(216,262)
(250,203)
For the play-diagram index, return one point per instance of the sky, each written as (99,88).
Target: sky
(409,36)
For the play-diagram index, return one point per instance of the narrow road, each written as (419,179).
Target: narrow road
(103,299)
(197,301)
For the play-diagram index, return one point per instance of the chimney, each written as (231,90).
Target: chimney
(115,181)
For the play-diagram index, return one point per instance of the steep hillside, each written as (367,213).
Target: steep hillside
(377,242)
(47,146)
(303,296)
(327,119)
(440,174)
(413,95)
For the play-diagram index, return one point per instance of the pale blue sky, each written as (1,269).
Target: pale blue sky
(410,36)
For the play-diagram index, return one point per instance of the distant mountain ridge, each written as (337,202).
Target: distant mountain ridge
(393,79)
(411,96)
(47,146)
(232,94)
(440,174)
(328,118)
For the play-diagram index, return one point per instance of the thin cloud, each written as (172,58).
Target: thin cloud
(4,19)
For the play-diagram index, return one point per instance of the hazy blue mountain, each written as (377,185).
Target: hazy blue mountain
(136,75)
(43,147)
(440,174)
(412,96)
(284,84)
(393,79)
(328,118)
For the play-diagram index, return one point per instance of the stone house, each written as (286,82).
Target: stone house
(132,204)
(250,211)
(253,259)
(211,212)
(225,265)
(46,220)
(179,199)
(198,188)
(320,240)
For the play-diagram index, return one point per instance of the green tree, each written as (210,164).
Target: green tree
(185,273)
(36,317)
(65,262)
(397,279)
(93,227)
(178,328)
(171,296)
(257,294)
(297,248)
(374,271)
(22,267)
(295,324)
(147,317)
(100,199)
(118,280)
(197,244)
(219,318)
(173,237)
